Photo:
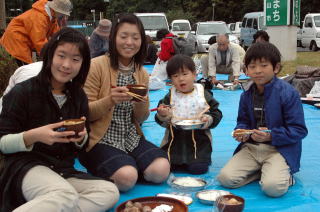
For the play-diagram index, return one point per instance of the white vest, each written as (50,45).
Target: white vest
(188,106)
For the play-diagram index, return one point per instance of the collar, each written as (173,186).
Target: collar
(267,86)
(126,68)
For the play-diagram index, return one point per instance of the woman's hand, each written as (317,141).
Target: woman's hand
(119,94)
(49,135)
(81,134)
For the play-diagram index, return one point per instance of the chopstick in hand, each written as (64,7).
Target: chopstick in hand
(136,96)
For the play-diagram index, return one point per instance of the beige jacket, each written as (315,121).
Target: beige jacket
(98,89)
(232,60)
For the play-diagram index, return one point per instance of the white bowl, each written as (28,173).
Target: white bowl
(188,183)
(209,196)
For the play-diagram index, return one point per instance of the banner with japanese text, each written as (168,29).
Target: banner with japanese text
(277,12)
(296,12)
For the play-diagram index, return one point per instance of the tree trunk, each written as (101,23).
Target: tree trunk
(2,15)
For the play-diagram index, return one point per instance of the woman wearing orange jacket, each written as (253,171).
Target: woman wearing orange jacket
(32,29)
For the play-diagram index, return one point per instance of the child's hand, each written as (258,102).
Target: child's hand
(241,137)
(214,81)
(204,118)
(164,110)
(207,119)
(260,136)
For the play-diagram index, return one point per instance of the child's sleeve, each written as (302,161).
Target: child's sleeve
(293,128)
(243,119)
(159,120)
(214,111)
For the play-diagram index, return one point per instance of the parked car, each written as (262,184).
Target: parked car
(310,36)
(181,28)
(152,22)
(235,28)
(204,30)
(251,23)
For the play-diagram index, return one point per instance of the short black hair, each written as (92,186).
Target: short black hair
(161,33)
(261,33)
(263,50)
(66,35)
(180,62)
(113,52)
(212,40)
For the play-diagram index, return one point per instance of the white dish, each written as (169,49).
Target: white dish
(209,196)
(186,199)
(189,183)
(188,124)
(310,101)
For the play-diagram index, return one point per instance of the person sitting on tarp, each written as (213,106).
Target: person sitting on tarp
(166,52)
(260,36)
(99,39)
(270,127)
(152,51)
(224,59)
(188,150)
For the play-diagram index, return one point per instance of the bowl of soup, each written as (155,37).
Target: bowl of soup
(140,90)
(76,125)
(230,203)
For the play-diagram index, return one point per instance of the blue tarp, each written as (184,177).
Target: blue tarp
(303,196)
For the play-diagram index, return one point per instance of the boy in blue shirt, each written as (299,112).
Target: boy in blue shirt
(270,103)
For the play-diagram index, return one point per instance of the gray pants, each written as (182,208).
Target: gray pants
(45,190)
(254,162)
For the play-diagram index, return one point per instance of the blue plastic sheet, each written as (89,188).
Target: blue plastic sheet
(303,196)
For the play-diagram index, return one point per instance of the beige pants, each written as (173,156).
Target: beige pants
(254,162)
(45,190)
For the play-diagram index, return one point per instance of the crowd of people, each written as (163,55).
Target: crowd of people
(89,81)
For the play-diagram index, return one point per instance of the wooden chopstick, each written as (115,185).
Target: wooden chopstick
(136,96)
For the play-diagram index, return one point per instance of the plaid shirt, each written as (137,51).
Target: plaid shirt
(122,133)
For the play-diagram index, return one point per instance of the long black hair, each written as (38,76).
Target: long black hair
(114,54)
(66,35)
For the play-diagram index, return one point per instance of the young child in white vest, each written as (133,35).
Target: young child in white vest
(188,150)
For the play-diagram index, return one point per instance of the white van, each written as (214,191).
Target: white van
(235,28)
(251,23)
(310,33)
(152,22)
(181,28)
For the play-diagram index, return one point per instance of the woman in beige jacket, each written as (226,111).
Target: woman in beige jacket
(117,148)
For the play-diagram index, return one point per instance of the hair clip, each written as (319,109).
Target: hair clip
(58,38)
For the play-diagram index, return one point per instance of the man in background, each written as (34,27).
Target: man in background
(32,29)
(224,59)
(99,39)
